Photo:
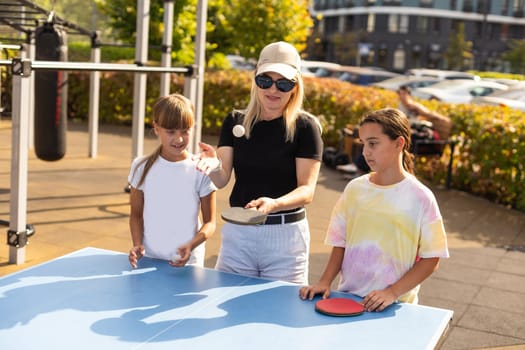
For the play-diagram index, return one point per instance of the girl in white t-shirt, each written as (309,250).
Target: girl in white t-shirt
(386,229)
(168,192)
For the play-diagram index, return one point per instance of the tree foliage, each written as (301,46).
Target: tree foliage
(459,52)
(234,27)
(516,56)
(244,27)
(122,16)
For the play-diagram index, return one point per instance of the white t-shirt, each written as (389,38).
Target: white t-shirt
(384,229)
(172,192)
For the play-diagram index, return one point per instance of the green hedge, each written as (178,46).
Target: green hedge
(489,158)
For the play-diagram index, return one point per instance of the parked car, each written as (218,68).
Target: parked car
(240,63)
(514,97)
(441,74)
(363,76)
(458,90)
(319,68)
(412,82)
(510,82)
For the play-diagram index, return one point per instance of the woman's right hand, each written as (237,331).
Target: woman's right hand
(207,160)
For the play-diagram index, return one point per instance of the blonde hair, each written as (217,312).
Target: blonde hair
(394,124)
(294,108)
(169,112)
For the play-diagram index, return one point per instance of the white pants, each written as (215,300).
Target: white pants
(278,252)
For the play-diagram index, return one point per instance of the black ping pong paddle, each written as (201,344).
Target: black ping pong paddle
(243,216)
(339,307)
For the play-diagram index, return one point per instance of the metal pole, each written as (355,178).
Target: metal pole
(94,99)
(139,87)
(31,95)
(200,50)
(166,46)
(107,67)
(19,156)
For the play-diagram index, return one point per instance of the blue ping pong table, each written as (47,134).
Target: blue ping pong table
(92,299)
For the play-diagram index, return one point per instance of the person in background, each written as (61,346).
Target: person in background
(275,149)
(168,193)
(386,230)
(424,123)
(415,111)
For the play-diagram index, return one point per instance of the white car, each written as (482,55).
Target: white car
(363,76)
(318,68)
(240,63)
(441,74)
(458,90)
(511,98)
(412,82)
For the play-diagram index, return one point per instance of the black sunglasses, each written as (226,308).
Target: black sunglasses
(265,82)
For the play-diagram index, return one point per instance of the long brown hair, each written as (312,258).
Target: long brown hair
(169,112)
(394,124)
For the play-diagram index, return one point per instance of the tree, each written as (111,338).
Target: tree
(459,52)
(516,56)
(345,46)
(241,27)
(244,27)
(123,20)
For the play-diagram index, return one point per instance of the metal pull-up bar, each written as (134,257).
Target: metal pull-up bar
(21,71)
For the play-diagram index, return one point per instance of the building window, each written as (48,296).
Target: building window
(468,6)
(422,24)
(426,3)
(518,8)
(479,29)
(319,5)
(392,24)
(453,5)
(403,24)
(504,7)
(504,35)
(371,24)
(331,25)
(382,57)
(398,23)
(399,59)
(436,28)
(349,23)
(483,6)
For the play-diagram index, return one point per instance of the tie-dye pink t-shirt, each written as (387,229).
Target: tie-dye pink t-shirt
(383,230)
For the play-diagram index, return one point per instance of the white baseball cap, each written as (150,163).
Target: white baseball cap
(279,57)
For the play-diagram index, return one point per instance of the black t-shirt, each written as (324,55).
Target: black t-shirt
(264,165)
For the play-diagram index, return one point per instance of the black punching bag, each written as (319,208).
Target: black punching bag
(50,94)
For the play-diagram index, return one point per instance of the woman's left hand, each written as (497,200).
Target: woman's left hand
(263,204)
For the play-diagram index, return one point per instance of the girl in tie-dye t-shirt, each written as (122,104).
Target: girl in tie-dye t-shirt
(386,229)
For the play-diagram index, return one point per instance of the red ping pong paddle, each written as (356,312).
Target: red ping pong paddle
(339,307)
(242,216)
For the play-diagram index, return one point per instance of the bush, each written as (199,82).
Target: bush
(491,140)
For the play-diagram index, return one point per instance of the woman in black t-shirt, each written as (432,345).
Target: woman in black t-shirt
(275,149)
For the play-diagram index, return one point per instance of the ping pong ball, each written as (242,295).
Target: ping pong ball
(175,257)
(238,130)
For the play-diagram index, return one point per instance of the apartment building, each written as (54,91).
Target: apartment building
(402,34)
